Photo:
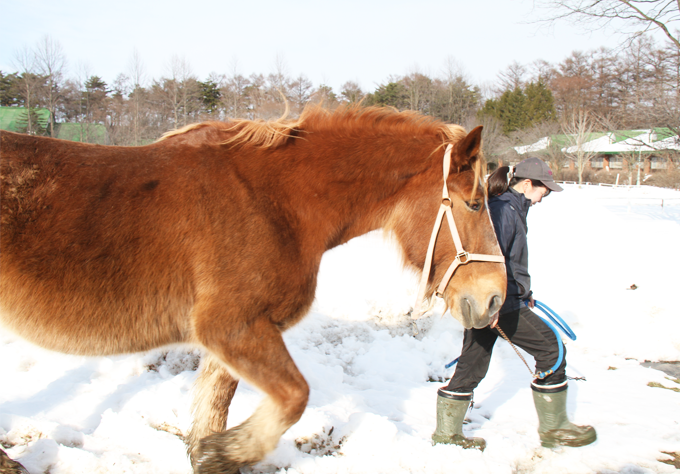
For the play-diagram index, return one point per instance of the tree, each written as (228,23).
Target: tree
(118,124)
(8,89)
(456,99)
(137,95)
(392,94)
(29,83)
(518,109)
(351,92)
(300,92)
(234,95)
(509,109)
(665,94)
(572,84)
(325,96)
(418,89)
(540,104)
(210,95)
(631,17)
(50,63)
(579,128)
(513,77)
(496,146)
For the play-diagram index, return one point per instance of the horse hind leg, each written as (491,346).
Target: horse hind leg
(260,357)
(213,392)
(8,466)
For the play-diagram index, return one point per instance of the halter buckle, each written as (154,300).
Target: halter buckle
(446,202)
(463,257)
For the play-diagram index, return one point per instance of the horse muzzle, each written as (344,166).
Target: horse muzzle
(477,312)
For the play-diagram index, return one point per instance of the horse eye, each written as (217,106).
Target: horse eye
(475,205)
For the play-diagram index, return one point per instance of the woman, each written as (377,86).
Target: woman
(511,194)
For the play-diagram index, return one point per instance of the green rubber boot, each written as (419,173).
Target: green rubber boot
(554,427)
(451,410)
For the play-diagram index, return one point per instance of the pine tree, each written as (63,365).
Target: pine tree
(540,103)
(519,109)
(392,94)
(8,92)
(210,95)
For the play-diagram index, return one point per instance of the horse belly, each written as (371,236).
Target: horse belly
(85,322)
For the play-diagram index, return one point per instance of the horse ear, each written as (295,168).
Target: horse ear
(471,146)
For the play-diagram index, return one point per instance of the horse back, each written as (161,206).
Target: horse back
(108,249)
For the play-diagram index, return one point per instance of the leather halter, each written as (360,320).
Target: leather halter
(462,257)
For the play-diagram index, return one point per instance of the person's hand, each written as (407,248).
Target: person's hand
(531,301)
(494,321)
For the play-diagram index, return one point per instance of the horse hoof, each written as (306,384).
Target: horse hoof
(214,458)
(8,466)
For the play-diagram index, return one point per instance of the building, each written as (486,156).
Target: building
(651,149)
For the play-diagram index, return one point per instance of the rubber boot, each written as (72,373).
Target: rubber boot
(554,427)
(451,410)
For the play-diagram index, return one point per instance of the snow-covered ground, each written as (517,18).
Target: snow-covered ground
(373,383)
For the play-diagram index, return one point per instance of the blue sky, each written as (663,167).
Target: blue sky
(328,41)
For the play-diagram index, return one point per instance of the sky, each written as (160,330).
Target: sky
(329,41)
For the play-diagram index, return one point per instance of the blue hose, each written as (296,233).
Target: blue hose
(564,327)
(555,318)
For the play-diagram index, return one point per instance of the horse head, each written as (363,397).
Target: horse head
(465,265)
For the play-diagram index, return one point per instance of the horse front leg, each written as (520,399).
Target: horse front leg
(257,353)
(213,392)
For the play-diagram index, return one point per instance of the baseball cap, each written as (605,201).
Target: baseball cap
(534,168)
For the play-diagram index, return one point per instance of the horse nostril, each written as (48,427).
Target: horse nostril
(466,309)
(495,304)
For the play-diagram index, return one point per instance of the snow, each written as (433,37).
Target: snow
(373,383)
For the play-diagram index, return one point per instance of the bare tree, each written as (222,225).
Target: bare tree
(51,62)
(172,86)
(461,98)
(496,146)
(351,92)
(182,88)
(301,92)
(637,16)
(278,82)
(512,77)
(138,76)
(579,127)
(234,92)
(417,87)
(24,61)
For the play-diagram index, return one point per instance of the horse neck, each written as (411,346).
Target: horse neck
(349,188)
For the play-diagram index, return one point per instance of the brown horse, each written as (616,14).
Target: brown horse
(213,236)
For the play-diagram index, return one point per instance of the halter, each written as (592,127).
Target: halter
(462,257)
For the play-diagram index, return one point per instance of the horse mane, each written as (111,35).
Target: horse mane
(347,121)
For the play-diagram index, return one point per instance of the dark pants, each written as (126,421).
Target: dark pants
(526,330)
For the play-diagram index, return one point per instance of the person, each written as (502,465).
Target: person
(511,194)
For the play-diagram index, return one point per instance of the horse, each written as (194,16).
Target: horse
(213,235)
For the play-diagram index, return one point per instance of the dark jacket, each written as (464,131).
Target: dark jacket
(509,216)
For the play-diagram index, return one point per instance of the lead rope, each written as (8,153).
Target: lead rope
(536,376)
